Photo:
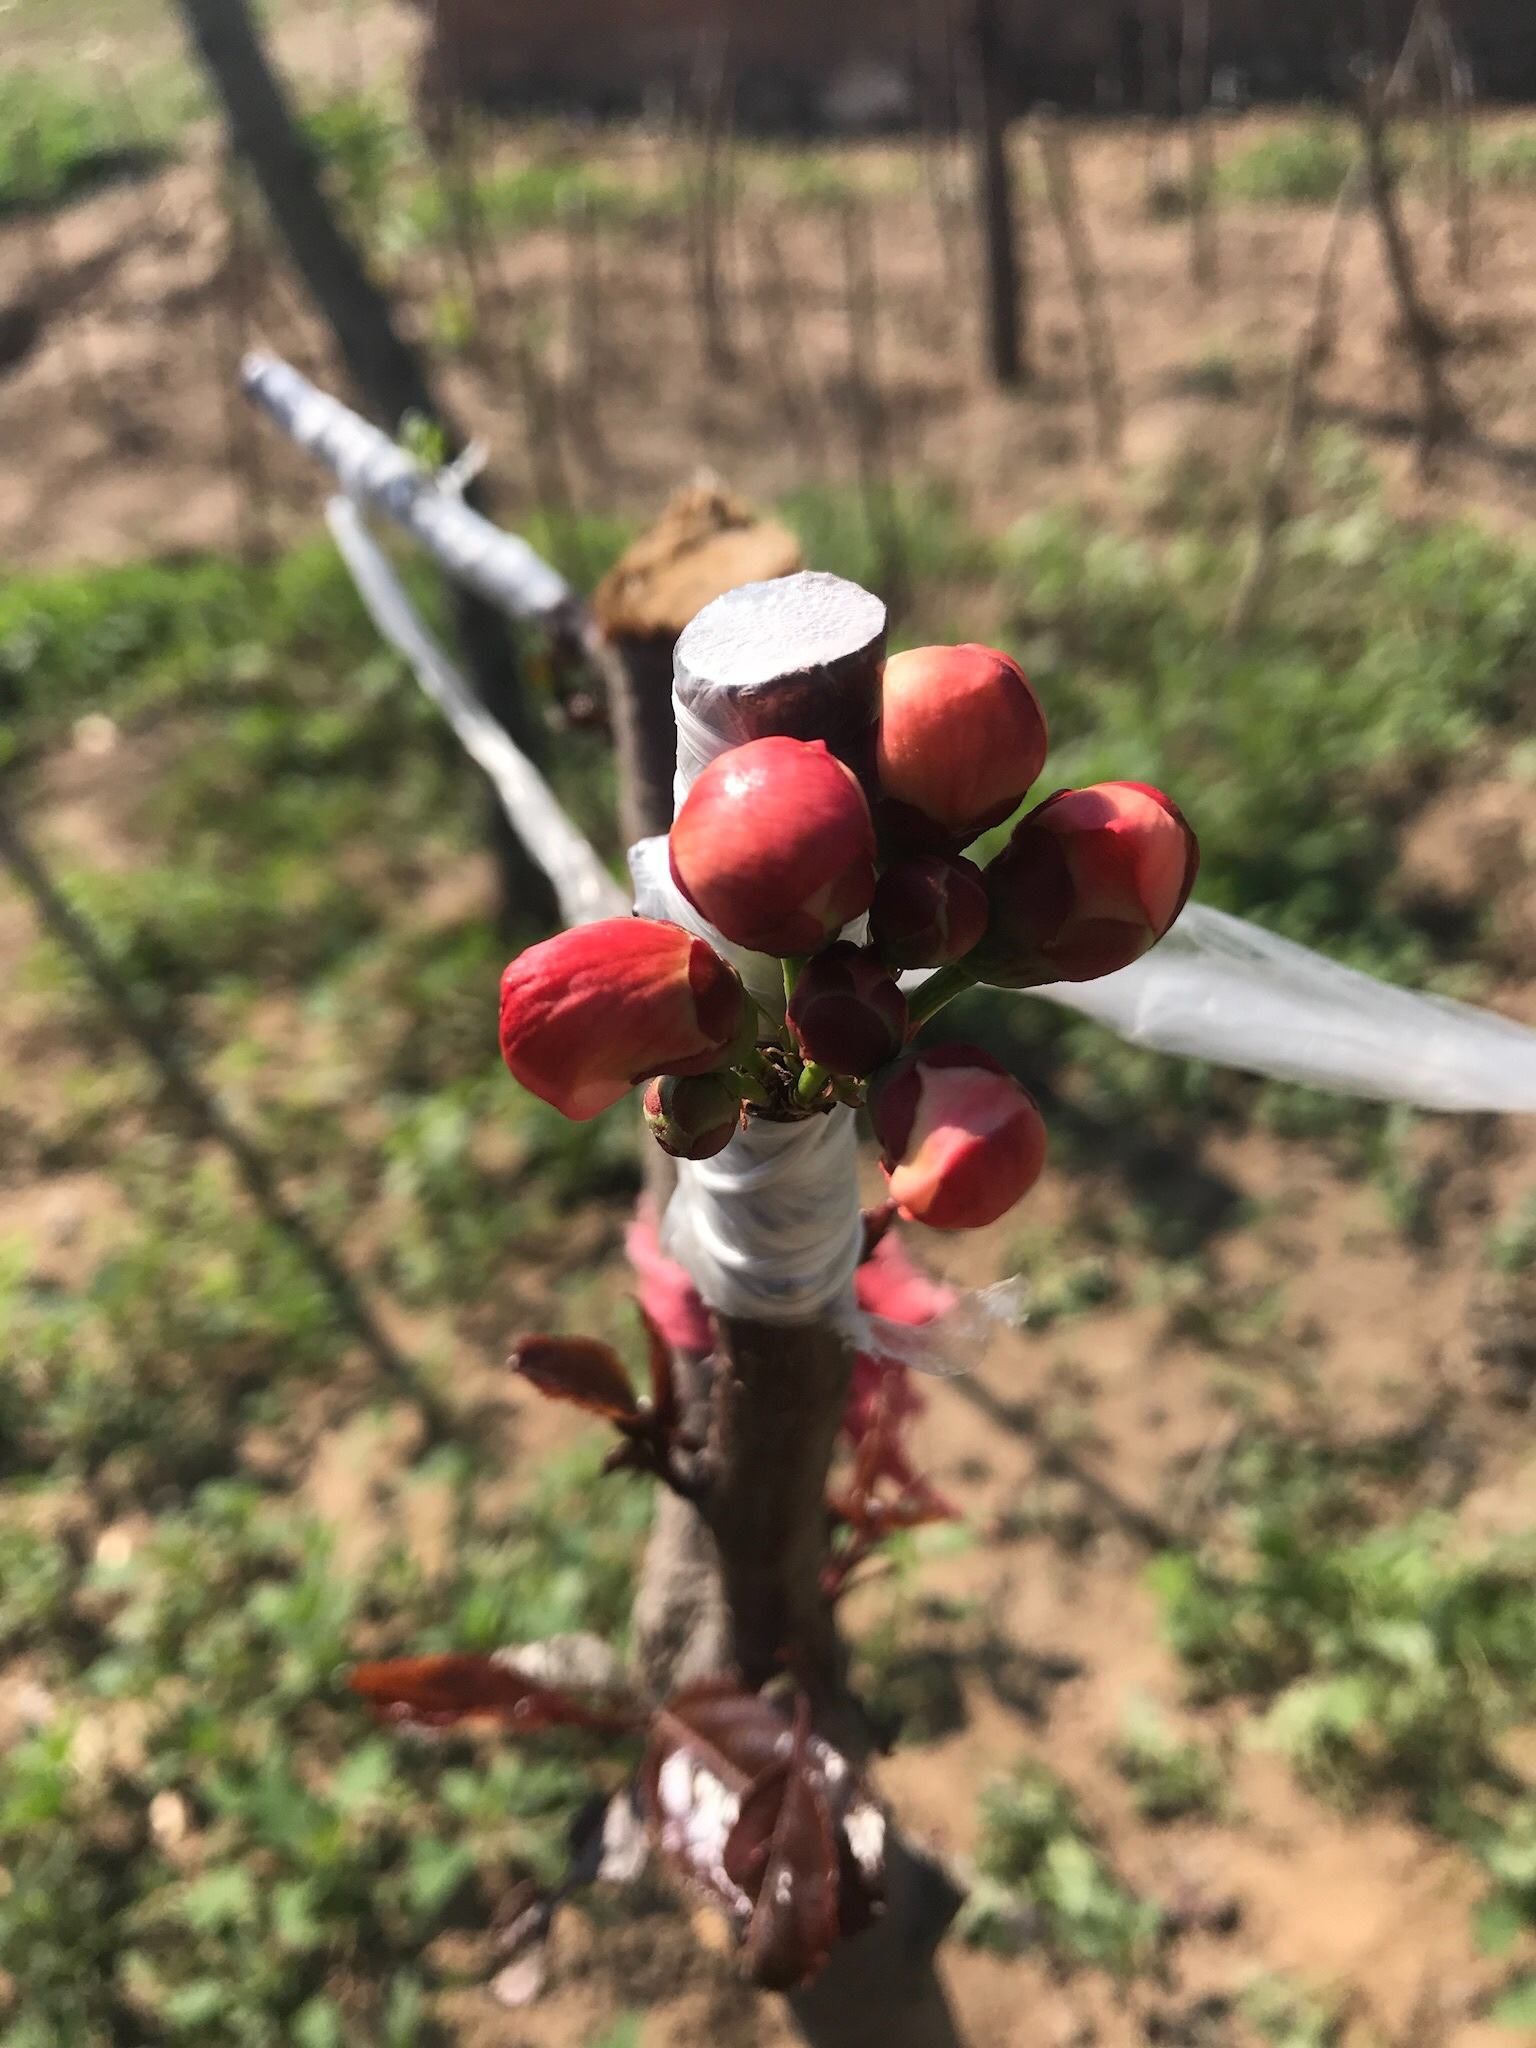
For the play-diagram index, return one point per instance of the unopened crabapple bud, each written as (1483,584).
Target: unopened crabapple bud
(962,738)
(588,1013)
(961,1140)
(929,909)
(846,1013)
(775,846)
(1089,881)
(691,1116)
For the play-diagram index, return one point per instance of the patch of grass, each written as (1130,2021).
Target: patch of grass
(1506,162)
(1047,1880)
(525,197)
(1295,167)
(296,1863)
(1511,1245)
(1170,1779)
(1388,1661)
(61,138)
(1286,2015)
(936,543)
(1212,375)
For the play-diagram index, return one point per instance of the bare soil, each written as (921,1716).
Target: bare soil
(586,374)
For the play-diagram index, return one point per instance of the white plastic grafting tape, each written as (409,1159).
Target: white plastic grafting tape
(377,472)
(585,889)
(770,1228)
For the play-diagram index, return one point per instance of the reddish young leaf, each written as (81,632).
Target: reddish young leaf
(581,1370)
(748,1809)
(731,1731)
(782,1853)
(441,1692)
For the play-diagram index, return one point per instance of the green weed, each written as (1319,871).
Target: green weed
(1297,167)
(1170,1779)
(1047,1879)
(1388,1661)
(1506,162)
(61,138)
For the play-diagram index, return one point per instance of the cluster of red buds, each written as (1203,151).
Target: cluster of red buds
(782,850)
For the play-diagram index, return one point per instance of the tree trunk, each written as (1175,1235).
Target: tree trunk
(390,377)
(995,196)
(736,1579)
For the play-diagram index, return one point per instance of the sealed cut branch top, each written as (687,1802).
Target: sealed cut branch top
(800,656)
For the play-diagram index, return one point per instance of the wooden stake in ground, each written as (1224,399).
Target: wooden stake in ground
(1194,98)
(996,206)
(1082,267)
(387,371)
(1424,337)
(734,1579)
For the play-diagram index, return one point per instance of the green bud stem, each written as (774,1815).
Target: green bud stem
(810,1084)
(794,966)
(751,1080)
(936,991)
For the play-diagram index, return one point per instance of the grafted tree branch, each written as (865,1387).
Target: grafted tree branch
(737,1579)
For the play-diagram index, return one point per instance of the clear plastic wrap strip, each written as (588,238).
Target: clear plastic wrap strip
(953,1341)
(585,889)
(770,1229)
(1221,989)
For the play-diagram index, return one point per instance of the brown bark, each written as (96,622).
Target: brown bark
(735,1579)
(995,196)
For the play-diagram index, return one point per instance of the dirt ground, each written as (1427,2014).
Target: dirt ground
(586,372)
(1077,1449)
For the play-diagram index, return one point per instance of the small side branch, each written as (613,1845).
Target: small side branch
(1439,413)
(1082,267)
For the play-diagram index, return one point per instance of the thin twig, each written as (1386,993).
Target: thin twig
(1273,505)
(1426,339)
(1082,267)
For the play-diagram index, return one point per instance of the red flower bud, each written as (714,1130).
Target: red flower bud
(962,737)
(692,1116)
(1090,880)
(962,1140)
(846,1013)
(590,1012)
(928,910)
(774,845)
